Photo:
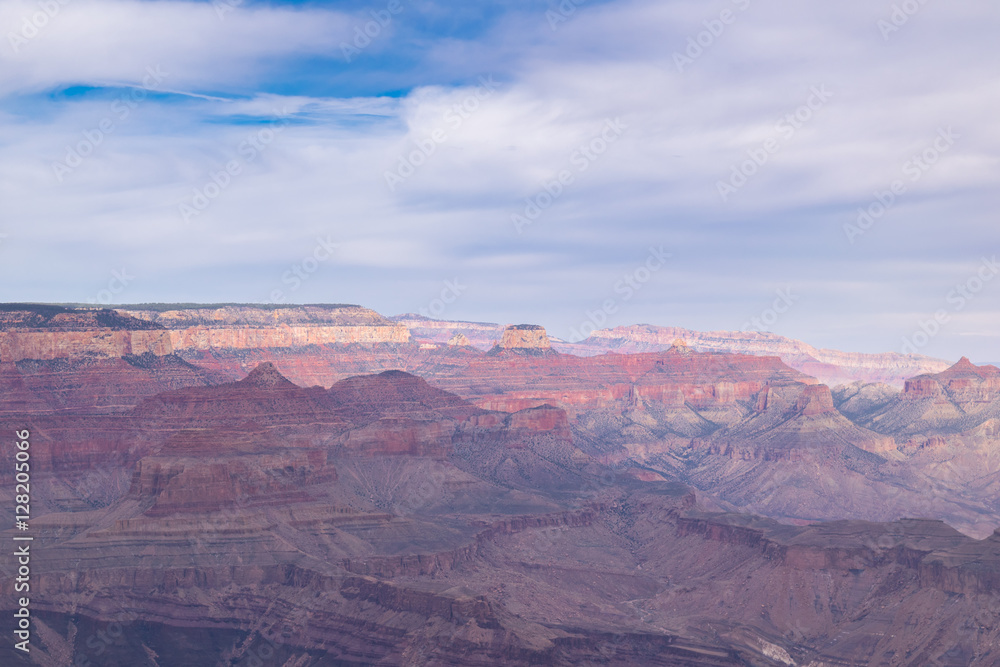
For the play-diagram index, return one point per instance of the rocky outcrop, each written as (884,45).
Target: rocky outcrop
(451,605)
(459,340)
(544,418)
(523,339)
(831,367)
(389,413)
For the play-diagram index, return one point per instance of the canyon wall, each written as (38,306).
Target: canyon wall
(254,327)
(524,337)
(53,332)
(42,333)
(45,345)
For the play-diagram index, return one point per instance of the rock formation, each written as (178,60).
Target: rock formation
(370,500)
(960,399)
(523,339)
(831,367)
(791,419)
(51,332)
(459,340)
(232,326)
(482,335)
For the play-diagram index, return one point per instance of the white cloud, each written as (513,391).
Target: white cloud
(104,42)
(325,173)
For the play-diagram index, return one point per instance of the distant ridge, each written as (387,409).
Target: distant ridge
(194,326)
(161,307)
(831,367)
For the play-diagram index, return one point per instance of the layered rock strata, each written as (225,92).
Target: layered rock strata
(48,333)
(255,327)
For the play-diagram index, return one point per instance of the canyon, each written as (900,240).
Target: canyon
(831,367)
(318,485)
(163,329)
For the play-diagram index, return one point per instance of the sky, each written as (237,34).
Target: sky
(824,171)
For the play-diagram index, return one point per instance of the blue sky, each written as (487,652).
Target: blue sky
(515,162)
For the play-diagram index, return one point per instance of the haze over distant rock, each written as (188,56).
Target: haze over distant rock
(831,367)
(193,330)
(482,335)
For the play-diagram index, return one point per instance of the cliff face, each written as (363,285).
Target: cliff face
(528,337)
(250,315)
(46,333)
(250,327)
(50,332)
(99,343)
(207,338)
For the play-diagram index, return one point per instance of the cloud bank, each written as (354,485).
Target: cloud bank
(534,152)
